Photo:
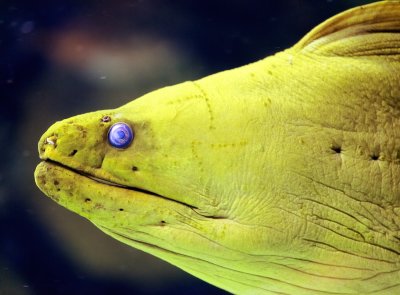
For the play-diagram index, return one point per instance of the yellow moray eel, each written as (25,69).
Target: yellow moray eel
(279,177)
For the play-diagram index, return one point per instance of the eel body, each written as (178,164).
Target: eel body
(278,177)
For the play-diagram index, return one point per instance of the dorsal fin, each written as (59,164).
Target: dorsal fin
(372,29)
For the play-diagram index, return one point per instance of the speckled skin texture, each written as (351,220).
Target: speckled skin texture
(280,177)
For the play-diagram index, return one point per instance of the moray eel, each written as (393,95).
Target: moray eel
(279,177)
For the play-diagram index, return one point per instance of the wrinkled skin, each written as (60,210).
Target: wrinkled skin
(280,177)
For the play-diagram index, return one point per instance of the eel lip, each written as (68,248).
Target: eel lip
(106,182)
(97,179)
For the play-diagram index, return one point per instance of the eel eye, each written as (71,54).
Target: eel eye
(120,135)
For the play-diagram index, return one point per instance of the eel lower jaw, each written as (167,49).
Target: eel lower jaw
(109,183)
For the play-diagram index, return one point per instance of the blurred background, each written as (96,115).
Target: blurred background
(63,58)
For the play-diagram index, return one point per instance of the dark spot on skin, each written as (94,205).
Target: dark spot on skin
(87,200)
(121,209)
(56,182)
(374,157)
(106,119)
(42,179)
(71,154)
(134,168)
(337,149)
(398,155)
(162,223)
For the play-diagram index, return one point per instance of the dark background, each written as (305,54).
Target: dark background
(62,58)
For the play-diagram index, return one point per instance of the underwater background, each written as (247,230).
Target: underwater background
(63,58)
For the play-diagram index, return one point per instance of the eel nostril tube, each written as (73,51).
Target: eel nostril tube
(51,140)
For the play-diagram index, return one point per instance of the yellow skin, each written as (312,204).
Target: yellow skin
(279,177)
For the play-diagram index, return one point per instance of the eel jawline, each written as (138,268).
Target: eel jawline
(106,182)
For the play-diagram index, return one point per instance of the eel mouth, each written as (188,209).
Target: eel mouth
(113,184)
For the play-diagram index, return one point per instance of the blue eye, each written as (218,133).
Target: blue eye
(120,135)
